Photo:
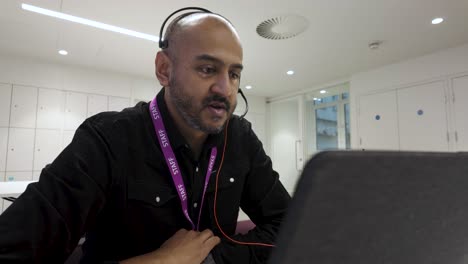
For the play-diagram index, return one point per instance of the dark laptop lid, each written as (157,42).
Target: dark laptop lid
(378,207)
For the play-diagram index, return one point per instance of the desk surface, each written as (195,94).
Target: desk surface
(13,188)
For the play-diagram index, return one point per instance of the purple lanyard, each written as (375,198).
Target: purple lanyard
(172,164)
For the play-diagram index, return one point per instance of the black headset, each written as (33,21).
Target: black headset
(163,43)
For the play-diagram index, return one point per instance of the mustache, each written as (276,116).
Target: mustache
(217,99)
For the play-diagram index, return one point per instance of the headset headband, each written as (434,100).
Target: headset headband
(163,44)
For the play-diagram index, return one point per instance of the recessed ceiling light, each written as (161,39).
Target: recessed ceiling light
(438,20)
(89,22)
(63,52)
(248,87)
(290,72)
(323,91)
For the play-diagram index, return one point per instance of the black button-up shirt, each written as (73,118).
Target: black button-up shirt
(112,183)
(193,168)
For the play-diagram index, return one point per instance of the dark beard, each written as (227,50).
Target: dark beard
(185,107)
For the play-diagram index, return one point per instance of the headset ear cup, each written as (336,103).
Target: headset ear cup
(246,103)
(163,44)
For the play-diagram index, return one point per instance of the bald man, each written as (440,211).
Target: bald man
(161,182)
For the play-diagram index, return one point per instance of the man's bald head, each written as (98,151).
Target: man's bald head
(201,70)
(196,23)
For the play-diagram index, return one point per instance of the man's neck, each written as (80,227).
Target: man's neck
(194,137)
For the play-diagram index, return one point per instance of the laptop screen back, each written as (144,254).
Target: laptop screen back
(371,207)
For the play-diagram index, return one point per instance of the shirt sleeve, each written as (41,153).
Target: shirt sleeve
(265,201)
(46,222)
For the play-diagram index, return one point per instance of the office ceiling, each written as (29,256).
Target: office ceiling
(333,47)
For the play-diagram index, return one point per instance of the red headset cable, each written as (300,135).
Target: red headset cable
(216,196)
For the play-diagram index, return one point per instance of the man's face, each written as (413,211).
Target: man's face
(205,76)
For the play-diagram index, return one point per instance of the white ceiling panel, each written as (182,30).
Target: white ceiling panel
(334,46)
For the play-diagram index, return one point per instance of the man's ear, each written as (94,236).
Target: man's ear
(163,68)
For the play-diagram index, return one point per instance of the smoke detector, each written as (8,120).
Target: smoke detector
(282,27)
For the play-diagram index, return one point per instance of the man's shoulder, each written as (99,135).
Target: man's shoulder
(129,119)
(240,124)
(241,129)
(109,117)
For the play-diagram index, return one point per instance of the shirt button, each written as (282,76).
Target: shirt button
(196,169)
(231,179)
(158,199)
(195,205)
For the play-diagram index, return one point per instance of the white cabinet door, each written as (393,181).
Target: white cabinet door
(285,140)
(378,121)
(136,101)
(20,149)
(18,176)
(2,178)
(460,107)
(5,101)
(96,104)
(23,107)
(118,103)
(50,109)
(67,138)
(75,110)
(422,117)
(36,175)
(3,147)
(47,147)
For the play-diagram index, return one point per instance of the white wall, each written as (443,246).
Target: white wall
(30,72)
(440,66)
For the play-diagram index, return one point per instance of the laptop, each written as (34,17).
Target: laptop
(371,207)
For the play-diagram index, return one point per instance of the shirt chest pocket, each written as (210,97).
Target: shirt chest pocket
(230,185)
(153,202)
(232,176)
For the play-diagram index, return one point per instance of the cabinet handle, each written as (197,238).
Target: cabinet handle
(298,168)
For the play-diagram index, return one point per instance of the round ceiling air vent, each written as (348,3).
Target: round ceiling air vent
(282,27)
